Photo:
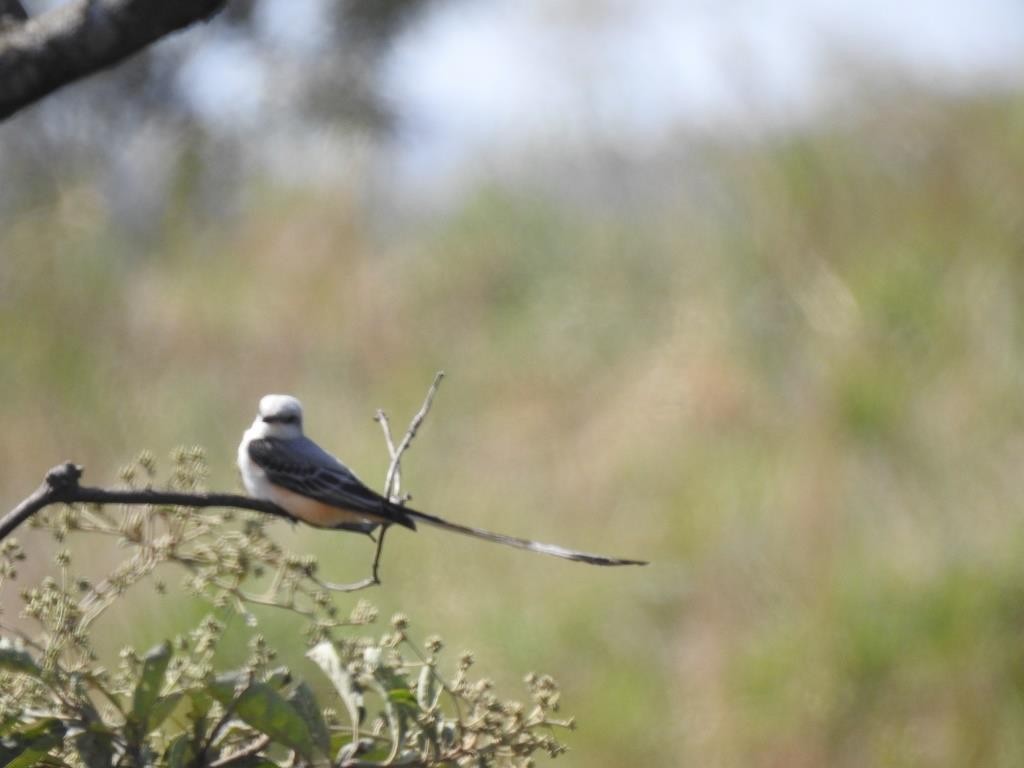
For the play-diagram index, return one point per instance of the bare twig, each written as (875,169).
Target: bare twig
(375,568)
(355,586)
(393,477)
(257,746)
(385,425)
(81,37)
(382,419)
(61,487)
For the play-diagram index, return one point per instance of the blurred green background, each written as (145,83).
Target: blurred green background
(787,369)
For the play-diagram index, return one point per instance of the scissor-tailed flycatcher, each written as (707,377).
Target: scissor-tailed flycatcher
(281,465)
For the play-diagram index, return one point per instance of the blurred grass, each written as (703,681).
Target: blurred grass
(798,392)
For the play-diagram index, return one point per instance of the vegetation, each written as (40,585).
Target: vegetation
(60,705)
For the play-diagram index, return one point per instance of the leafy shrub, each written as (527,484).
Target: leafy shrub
(391,701)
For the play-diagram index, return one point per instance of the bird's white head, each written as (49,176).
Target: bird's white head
(279,416)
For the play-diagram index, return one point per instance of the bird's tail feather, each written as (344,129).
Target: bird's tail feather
(513,541)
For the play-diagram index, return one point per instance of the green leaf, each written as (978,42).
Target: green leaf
(346,750)
(395,726)
(224,686)
(390,679)
(266,710)
(154,666)
(46,761)
(369,753)
(94,746)
(161,710)
(404,698)
(406,707)
(305,703)
(201,703)
(427,689)
(29,746)
(278,678)
(325,656)
(180,752)
(338,740)
(226,683)
(15,660)
(38,728)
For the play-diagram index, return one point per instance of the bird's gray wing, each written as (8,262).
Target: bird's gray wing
(303,467)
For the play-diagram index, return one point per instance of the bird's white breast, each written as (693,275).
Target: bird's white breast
(253,477)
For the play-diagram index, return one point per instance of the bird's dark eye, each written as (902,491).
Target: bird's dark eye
(283,419)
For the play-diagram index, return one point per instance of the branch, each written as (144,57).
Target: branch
(61,487)
(243,754)
(81,37)
(11,12)
(393,478)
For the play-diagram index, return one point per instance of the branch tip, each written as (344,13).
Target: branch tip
(64,476)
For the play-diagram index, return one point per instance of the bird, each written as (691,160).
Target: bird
(279,464)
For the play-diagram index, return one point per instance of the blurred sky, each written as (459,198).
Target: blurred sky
(478,75)
(479,84)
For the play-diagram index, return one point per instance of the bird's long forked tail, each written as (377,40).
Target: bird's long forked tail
(513,541)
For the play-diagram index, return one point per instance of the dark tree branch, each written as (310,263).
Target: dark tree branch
(11,12)
(61,487)
(79,38)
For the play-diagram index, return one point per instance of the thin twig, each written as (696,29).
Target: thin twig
(254,748)
(393,477)
(385,425)
(392,481)
(23,636)
(354,586)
